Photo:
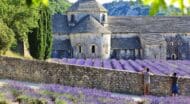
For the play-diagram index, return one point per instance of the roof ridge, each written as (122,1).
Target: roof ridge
(89,24)
(83,19)
(149,24)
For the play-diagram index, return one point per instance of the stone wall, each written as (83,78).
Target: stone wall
(124,35)
(86,41)
(154,46)
(61,46)
(178,46)
(109,80)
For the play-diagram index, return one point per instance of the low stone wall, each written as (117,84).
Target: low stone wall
(70,75)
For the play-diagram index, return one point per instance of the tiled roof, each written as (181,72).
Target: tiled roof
(89,25)
(125,43)
(60,24)
(147,24)
(126,24)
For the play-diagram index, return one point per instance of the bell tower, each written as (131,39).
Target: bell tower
(82,8)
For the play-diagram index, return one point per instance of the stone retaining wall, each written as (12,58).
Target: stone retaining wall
(70,75)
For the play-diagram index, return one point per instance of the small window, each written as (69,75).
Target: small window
(93,49)
(103,18)
(72,18)
(160,46)
(79,49)
(172,43)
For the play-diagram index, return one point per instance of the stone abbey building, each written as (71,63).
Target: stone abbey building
(86,31)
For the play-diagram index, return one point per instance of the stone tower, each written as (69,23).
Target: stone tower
(87,7)
(89,36)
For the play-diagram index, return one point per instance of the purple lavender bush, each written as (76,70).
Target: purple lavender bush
(24,93)
(166,100)
(107,64)
(59,94)
(159,67)
(97,63)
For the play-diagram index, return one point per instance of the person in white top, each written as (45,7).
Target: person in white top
(146,80)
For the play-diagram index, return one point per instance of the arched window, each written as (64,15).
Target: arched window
(72,18)
(93,49)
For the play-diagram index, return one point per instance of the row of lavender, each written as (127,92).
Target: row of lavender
(160,67)
(30,93)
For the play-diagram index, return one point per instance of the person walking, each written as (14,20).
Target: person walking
(146,77)
(175,87)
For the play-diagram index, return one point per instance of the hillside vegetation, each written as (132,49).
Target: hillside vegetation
(126,8)
(19,20)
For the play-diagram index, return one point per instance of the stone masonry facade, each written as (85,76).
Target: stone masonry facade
(87,31)
(87,77)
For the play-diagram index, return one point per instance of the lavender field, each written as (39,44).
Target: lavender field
(30,93)
(159,67)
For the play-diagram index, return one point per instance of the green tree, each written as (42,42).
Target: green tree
(59,6)
(48,32)
(156,5)
(34,40)
(6,37)
(56,6)
(40,39)
(19,18)
(37,2)
(171,11)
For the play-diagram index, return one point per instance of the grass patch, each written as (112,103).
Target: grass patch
(60,102)
(23,99)
(56,96)
(16,55)
(2,99)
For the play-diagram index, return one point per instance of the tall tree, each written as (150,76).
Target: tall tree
(48,37)
(40,39)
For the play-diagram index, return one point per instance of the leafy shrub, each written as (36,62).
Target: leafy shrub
(16,93)
(23,99)
(6,37)
(2,99)
(60,102)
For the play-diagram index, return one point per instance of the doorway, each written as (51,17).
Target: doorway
(174,57)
